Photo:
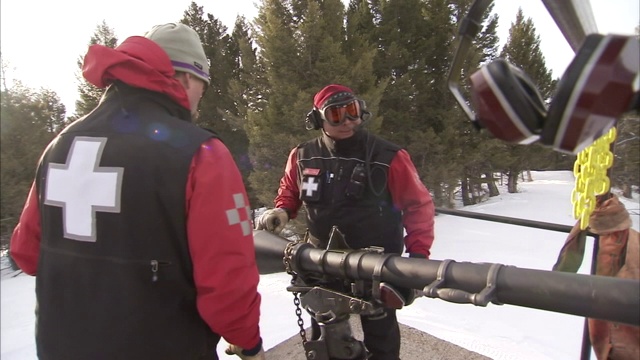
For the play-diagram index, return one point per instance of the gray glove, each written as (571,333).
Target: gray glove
(237,350)
(273,220)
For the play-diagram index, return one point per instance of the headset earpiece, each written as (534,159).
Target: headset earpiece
(365,114)
(508,103)
(313,121)
(594,91)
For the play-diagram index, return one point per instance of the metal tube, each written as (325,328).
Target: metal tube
(586,342)
(592,296)
(508,220)
(574,19)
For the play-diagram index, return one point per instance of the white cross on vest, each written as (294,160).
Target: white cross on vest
(81,188)
(310,185)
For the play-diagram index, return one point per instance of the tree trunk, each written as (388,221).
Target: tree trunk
(451,203)
(491,183)
(626,191)
(529,177)
(477,193)
(438,197)
(512,182)
(464,190)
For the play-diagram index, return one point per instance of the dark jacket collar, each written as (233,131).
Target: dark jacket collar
(128,96)
(351,146)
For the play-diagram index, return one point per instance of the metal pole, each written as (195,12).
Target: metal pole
(574,19)
(586,342)
(592,296)
(506,220)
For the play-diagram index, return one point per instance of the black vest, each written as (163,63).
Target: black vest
(338,188)
(115,276)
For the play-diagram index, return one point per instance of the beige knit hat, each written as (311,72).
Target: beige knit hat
(184,48)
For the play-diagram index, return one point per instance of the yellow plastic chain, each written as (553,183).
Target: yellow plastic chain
(590,170)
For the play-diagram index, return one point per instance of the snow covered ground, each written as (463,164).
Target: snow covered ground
(499,332)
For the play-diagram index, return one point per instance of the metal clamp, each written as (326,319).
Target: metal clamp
(431,290)
(482,298)
(377,275)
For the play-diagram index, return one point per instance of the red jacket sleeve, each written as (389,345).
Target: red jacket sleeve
(411,196)
(288,193)
(25,240)
(221,246)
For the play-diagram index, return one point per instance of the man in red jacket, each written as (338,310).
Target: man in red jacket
(364,185)
(137,218)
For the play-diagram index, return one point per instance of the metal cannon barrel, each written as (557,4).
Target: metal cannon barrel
(584,295)
(591,296)
(269,251)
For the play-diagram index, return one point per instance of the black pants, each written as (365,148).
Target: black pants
(381,336)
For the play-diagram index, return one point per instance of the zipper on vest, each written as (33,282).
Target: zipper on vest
(155,265)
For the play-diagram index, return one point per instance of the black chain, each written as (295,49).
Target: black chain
(303,332)
(288,255)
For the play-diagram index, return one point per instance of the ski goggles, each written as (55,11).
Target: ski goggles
(337,114)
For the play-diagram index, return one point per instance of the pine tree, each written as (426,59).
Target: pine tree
(522,49)
(215,42)
(416,40)
(232,64)
(29,119)
(52,111)
(245,90)
(279,126)
(89,94)
(360,49)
